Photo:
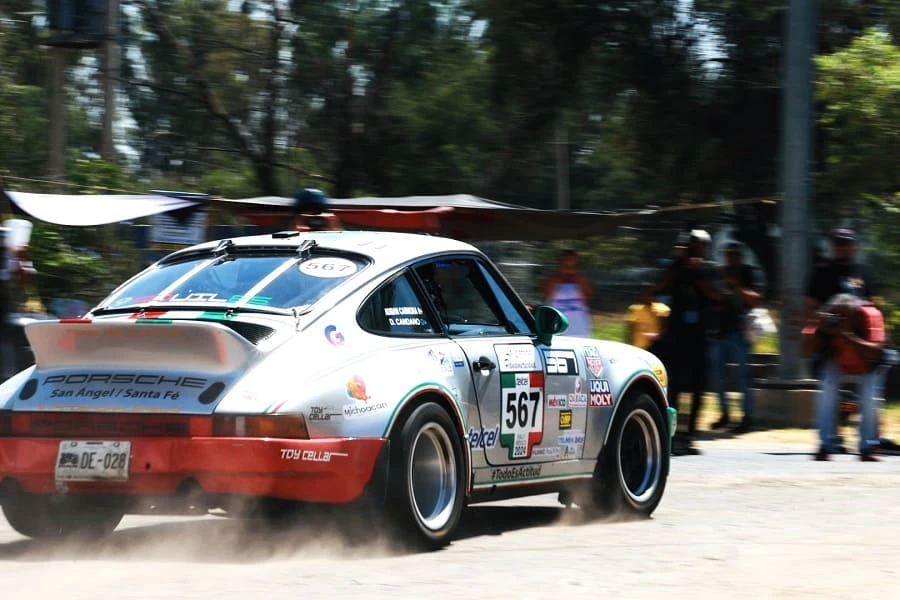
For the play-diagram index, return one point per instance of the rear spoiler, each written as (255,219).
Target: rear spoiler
(182,345)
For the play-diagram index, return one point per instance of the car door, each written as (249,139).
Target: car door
(530,397)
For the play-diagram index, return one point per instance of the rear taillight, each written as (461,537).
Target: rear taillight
(261,426)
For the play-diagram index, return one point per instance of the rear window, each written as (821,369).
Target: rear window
(277,281)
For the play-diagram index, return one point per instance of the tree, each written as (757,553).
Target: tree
(859,89)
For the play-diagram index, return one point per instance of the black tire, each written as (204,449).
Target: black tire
(44,517)
(426,478)
(633,467)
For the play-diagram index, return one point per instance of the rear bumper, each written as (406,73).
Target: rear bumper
(333,470)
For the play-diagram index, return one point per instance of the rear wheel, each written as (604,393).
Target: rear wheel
(634,465)
(46,517)
(426,492)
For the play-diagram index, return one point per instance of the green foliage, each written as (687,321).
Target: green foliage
(859,88)
(84,262)
(610,327)
(892,321)
(94,176)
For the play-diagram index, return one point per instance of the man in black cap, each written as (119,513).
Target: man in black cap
(842,274)
(691,282)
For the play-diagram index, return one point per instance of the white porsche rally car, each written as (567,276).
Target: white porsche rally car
(327,367)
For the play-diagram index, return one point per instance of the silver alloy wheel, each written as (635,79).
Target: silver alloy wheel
(432,476)
(640,456)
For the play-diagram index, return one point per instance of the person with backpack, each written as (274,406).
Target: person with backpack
(842,336)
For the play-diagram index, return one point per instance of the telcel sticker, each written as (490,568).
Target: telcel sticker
(328,266)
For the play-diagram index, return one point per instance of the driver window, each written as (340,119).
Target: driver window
(395,309)
(464,298)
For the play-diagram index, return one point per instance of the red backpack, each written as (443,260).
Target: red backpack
(869,326)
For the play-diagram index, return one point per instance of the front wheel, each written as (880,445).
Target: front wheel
(45,517)
(633,467)
(426,492)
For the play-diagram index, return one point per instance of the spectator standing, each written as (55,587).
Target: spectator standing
(691,283)
(841,275)
(741,292)
(570,292)
(6,349)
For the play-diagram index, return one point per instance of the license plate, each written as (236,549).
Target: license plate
(93,461)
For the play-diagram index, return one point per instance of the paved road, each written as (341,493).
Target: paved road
(735,523)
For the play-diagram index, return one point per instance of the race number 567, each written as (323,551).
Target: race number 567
(522,409)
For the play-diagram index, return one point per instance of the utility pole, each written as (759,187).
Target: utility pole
(110,78)
(563,200)
(57,142)
(796,133)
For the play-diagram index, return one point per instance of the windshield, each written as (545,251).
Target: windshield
(275,281)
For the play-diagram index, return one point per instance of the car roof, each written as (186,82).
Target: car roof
(381,246)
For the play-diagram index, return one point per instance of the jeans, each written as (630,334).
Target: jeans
(732,346)
(827,406)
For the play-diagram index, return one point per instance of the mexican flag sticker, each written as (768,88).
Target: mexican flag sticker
(522,423)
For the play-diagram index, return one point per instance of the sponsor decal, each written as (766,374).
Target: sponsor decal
(97,386)
(321,413)
(561,362)
(484,438)
(439,358)
(570,451)
(565,419)
(353,411)
(600,393)
(334,337)
(321,456)
(661,375)
(356,389)
(522,426)
(517,357)
(512,473)
(593,361)
(557,401)
(551,452)
(125,379)
(459,363)
(328,267)
(571,438)
(404,315)
(577,400)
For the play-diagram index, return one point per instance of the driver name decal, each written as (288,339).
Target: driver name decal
(522,425)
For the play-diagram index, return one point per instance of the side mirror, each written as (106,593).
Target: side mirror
(549,322)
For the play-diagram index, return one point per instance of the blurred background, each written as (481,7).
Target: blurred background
(553,104)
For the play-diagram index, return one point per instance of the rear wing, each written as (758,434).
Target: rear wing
(182,345)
